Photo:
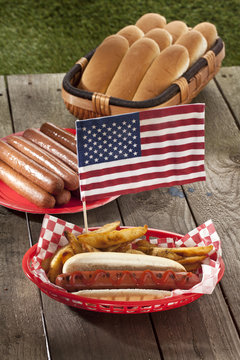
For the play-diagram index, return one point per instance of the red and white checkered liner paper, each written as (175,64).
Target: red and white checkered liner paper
(52,238)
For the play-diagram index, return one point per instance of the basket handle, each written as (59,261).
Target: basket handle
(82,62)
(211,60)
(184,89)
(100,104)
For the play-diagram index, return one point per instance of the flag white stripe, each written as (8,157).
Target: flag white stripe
(142,171)
(172,118)
(163,144)
(141,159)
(174,130)
(144,183)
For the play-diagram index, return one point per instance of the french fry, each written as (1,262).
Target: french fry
(119,247)
(134,251)
(58,260)
(144,243)
(192,267)
(45,264)
(165,253)
(107,227)
(88,248)
(182,252)
(76,246)
(192,251)
(162,252)
(191,259)
(104,240)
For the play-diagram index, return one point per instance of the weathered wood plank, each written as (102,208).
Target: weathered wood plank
(219,197)
(228,79)
(71,333)
(199,330)
(37,100)
(5,117)
(21,326)
(192,330)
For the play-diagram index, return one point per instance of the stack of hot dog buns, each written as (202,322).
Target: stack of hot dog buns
(143,60)
(41,165)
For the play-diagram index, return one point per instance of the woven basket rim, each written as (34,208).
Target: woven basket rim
(166,95)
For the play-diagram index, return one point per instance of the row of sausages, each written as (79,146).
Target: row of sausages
(41,165)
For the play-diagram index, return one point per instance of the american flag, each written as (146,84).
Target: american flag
(140,151)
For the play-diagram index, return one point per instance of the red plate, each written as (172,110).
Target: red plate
(121,307)
(10,199)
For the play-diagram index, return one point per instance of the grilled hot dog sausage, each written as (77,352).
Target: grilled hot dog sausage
(42,157)
(124,279)
(63,198)
(25,187)
(33,171)
(60,135)
(52,146)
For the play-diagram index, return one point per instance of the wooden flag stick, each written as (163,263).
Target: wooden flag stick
(85,216)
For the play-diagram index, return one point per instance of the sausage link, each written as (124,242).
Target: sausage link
(63,198)
(60,135)
(50,162)
(25,187)
(52,146)
(124,279)
(27,167)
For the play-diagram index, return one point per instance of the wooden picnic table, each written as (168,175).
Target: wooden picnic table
(34,326)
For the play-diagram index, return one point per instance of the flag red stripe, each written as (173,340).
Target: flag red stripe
(175,136)
(146,188)
(173,110)
(139,165)
(137,178)
(173,124)
(173,148)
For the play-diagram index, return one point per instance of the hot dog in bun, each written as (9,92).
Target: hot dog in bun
(123,276)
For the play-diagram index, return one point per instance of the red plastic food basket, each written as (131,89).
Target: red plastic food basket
(121,307)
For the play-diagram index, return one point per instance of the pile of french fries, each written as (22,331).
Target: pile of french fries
(108,238)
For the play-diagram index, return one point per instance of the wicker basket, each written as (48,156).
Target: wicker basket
(84,104)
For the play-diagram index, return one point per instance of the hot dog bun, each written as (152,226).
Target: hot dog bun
(150,21)
(132,33)
(132,69)
(104,63)
(124,294)
(165,69)
(162,37)
(176,29)
(195,43)
(209,31)
(118,261)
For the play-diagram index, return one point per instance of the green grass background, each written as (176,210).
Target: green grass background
(50,36)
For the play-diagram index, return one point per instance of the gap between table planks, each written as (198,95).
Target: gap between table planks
(199,326)
(228,81)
